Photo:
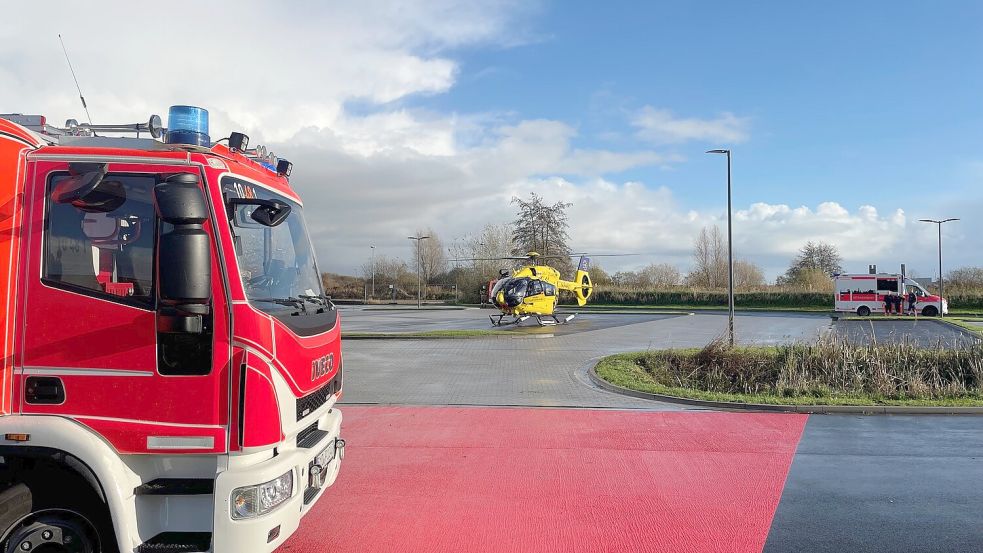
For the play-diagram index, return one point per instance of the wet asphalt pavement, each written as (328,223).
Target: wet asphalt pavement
(856,483)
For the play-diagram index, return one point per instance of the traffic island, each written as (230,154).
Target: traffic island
(829,377)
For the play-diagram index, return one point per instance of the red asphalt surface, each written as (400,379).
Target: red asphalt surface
(503,479)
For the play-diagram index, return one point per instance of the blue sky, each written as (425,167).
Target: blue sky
(849,121)
(857,102)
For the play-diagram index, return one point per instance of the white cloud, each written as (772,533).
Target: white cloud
(288,78)
(662,127)
(263,70)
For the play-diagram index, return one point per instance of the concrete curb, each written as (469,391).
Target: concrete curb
(943,322)
(973,333)
(810,409)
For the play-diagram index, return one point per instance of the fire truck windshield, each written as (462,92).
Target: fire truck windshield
(276,263)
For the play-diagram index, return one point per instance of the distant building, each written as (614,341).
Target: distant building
(926,282)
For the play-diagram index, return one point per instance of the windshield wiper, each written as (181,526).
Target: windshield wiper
(291,301)
(319,299)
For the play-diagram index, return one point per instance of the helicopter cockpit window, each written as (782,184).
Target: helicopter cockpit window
(517,287)
(498,287)
(535,287)
(515,290)
(549,289)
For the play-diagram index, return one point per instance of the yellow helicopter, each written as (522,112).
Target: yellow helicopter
(533,291)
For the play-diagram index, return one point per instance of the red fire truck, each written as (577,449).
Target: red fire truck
(170,361)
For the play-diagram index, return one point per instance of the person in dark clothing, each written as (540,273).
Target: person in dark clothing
(893,304)
(912,300)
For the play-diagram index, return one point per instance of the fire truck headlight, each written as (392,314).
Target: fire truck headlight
(253,501)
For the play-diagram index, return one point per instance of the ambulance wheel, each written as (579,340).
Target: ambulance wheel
(930,311)
(863,311)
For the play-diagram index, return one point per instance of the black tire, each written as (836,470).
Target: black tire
(930,311)
(53,531)
(863,311)
(64,503)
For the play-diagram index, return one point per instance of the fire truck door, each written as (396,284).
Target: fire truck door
(14,145)
(90,340)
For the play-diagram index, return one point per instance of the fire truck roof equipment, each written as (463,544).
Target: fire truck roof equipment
(187,125)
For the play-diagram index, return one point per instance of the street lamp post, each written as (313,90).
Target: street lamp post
(457,272)
(419,269)
(372,264)
(730,253)
(941,279)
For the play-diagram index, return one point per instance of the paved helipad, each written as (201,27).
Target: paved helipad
(502,444)
(532,370)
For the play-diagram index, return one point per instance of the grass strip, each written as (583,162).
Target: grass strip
(648,371)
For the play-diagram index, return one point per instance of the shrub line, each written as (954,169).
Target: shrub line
(808,409)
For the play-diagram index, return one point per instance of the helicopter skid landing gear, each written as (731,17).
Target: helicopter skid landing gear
(497,320)
(544,321)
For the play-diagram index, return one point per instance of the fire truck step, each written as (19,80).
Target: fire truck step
(176,542)
(176,486)
(310,436)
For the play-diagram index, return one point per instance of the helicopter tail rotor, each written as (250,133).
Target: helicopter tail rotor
(584,286)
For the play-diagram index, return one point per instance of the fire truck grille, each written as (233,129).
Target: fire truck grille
(310,403)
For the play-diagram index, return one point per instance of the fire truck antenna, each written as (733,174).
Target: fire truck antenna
(72,69)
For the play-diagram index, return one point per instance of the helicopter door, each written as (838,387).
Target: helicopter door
(535,288)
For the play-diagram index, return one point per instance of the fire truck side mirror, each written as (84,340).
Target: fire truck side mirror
(82,184)
(183,255)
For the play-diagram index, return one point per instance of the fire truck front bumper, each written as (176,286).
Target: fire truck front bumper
(241,493)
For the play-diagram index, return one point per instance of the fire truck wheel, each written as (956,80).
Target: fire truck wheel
(67,515)
(930,311)
(863,311)
(53,531)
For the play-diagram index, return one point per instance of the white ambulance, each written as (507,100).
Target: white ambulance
(864,294)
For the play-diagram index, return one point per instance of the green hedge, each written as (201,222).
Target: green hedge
(965,300)
(713,298)
(776,298)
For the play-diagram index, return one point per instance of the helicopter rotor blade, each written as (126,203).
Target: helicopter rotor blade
(604,254)
(491,259)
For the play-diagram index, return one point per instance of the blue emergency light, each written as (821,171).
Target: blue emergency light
(187,125)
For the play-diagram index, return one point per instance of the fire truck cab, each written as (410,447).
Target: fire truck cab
(864,294)
(170,360)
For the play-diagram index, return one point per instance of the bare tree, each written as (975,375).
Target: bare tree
(429,256)
(709,260)
(967,278)
(389,271)
(659,276)
(747,274)
(814,255)
(478,258)
(812,280)
(599,275)
(542,228)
